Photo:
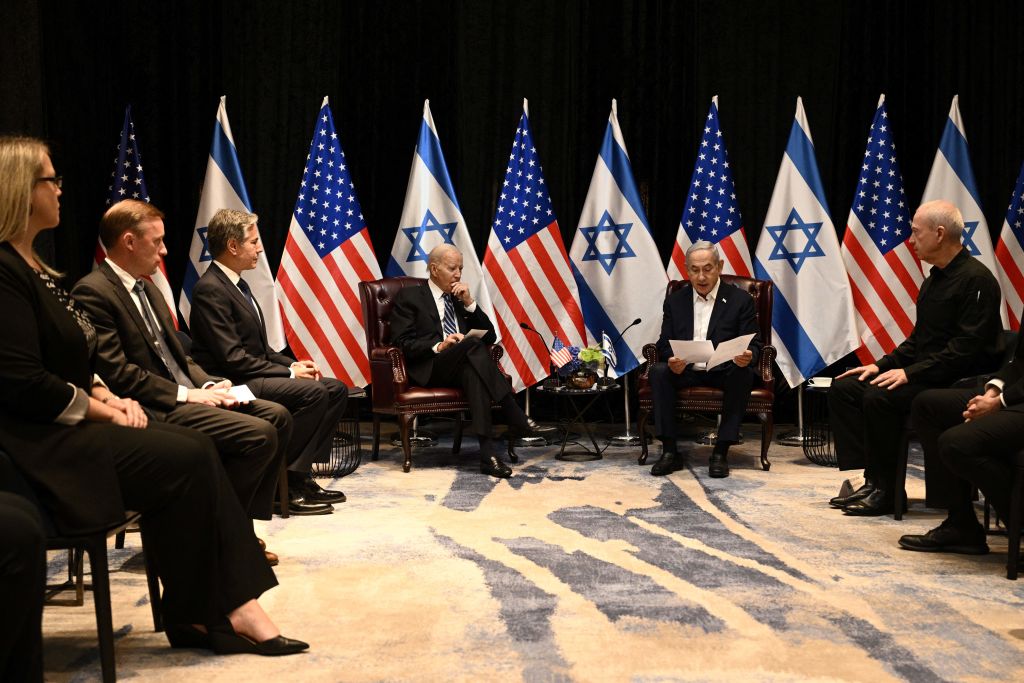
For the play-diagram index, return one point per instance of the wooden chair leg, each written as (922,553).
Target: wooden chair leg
(119,540)
(1014,524)
(457,440)
(404,427)
(641,426)
(767,427)
(97,550)
(153,582)
(375,455)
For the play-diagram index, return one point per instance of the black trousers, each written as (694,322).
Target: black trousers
(735,382)
(22,583)
(200,538)
(867,422)
(251,440)
(468,365)
(316,407)
(960,454)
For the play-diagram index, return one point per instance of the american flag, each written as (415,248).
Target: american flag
(561,355)
(327,253)
(1010,254)
(711,212)
(526,268)
(127,182)
(885,275)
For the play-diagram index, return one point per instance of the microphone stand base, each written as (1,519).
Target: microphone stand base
(625,439)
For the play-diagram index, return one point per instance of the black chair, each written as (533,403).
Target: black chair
(1009,340)
(95,546)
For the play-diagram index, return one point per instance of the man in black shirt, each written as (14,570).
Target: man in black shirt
(956,335)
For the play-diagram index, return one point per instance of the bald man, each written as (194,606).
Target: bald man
(956,335)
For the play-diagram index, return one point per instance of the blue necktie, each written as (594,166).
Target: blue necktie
(244,286)
(448,325)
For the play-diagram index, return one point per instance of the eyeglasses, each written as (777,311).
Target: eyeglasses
(55,179)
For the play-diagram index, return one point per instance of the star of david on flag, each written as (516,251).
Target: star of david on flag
(431,216)
(128,182)
(812,312)
(885,275)
(616,264)
(326,255)
(224,188)
(526,268)
(952,179)
(1010,254)
(711,212)
(795,240)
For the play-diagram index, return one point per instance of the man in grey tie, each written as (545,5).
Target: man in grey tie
(140,356)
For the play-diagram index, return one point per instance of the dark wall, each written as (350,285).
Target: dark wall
(69,69)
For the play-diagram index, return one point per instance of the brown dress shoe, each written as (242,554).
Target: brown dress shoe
(272,558)
(263,544)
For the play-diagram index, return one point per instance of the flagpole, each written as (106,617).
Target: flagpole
(626,438)
(796,438)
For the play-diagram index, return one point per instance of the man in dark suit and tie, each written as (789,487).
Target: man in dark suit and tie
(705,308)
(139,356)
(970,438)
(230,338)
(429,323)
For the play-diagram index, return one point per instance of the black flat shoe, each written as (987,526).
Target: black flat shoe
(718,466)
(187,636)
(879,502)
(947,538)
(314,493)
(668,463)
(533,430)
(226,642)
(495,468)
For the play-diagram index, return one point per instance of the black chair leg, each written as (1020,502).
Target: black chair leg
(375,455)
(900,477)
(1013,524)
(119,540)
(641,426)
(153,582)
(404,428)
(457,440)
(97,549)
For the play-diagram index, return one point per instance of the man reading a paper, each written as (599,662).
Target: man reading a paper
(705,313)
(434,325)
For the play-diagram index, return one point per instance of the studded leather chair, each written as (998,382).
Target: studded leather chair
(393,394)
(709,399)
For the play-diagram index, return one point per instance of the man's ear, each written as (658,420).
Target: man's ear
(128,240)
(232,247)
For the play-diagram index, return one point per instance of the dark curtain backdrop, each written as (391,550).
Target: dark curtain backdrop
(69,69)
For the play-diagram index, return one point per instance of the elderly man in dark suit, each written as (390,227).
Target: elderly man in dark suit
(705,308)
(230,338)
(429,323)
(140,356)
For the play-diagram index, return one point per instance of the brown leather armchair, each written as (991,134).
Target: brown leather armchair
(709,399)
(392,393)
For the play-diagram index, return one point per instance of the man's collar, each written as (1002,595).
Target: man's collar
(126,278)
(232,275)
(435,291)
(959,258)
(712,295)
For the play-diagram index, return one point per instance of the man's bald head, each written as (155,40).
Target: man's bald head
(941,212)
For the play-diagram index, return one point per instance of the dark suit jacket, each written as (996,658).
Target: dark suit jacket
(416,327)
(228,337)
(1012,375)
(42,349)
(126,357)
(732,316)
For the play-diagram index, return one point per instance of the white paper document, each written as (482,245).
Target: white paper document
(242,393)
(705,352)
(473,334)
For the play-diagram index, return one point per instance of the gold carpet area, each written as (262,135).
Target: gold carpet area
(592,571)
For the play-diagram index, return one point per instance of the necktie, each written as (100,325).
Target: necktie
(448,325)
(244,287)
(159,340)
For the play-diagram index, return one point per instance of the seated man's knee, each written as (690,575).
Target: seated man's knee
(660,371)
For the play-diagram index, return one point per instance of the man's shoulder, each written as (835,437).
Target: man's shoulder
(208,281)
(94,283)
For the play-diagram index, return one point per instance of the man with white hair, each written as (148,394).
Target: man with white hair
(429,323)
(956,335)
(704,308)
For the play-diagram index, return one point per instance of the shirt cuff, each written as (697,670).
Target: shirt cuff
(471,308)
(291,373)
(998,384)
(76,408)
(434,347)
(182,393)
(97,381)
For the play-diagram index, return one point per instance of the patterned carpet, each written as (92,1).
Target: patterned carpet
(593,571)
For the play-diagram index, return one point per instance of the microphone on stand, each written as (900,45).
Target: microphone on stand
(604,381)
(551,366)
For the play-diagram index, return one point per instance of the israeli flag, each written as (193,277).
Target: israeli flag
(616,264)
(952,179)
(813,322)
(431,216)
(224,188)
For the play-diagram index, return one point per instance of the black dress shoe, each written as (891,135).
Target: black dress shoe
(495,468)
(668,463)
(186,636)
(313,493)
(227,642)
(298,505)
(947,538)
(878,502)
(718,466)
(860,494)
(533,430)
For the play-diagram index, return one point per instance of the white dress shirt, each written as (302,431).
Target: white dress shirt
(702,308)
(438,296)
